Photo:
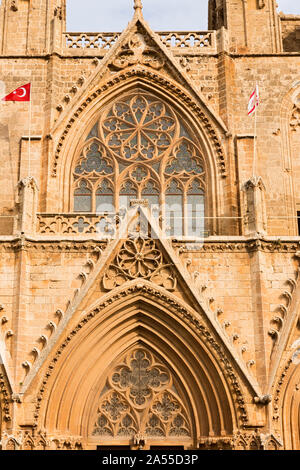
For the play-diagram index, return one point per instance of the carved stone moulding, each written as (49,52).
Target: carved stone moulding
(162,297)
(5,396)
(241,440)
(39,440)
(295,119)
(87,243)
(62,245)
(151,77)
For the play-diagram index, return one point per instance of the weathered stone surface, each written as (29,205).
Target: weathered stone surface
(212,324)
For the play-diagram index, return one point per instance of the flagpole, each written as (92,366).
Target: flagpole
(23,93)
(29,137)
(255,138)
(255,132)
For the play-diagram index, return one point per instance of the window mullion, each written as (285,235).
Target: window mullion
(185,214)
(94,208)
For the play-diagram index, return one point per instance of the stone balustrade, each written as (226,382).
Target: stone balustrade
(198,41)
(79,223)
(185,41)
(102,41)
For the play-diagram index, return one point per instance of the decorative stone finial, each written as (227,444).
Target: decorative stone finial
(138,6)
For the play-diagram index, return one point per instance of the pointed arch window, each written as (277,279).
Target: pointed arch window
(141,149)
(150,192)
(195,210)
(128,192)
(83,197)
(174,209)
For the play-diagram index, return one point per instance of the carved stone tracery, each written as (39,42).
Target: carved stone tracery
(141,399)
(295,119)
(138,50)
(152,78)
(139,127)
(140,149)
(139,258)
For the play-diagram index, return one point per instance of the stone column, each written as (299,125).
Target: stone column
(255,216)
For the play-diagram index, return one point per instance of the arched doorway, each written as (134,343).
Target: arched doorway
(137,372)
(291,410)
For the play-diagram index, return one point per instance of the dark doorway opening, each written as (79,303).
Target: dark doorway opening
(113,447)
(167,448)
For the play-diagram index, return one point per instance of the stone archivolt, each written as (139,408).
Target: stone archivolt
(286,402)
(151,79)
(5,399)
(122,379)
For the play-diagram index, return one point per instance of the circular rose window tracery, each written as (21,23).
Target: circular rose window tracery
(139,128)
(140,148)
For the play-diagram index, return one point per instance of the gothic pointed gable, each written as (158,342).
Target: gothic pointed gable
(287,344)
(140,46)
(139,53)
(137,258)
(140,258)
(5,359)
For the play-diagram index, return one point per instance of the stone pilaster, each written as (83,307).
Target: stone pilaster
(255,218)
(28,200)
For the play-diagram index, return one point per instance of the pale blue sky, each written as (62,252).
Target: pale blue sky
(113,15)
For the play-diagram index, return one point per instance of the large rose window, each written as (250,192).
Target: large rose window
(139,128)
(141,149)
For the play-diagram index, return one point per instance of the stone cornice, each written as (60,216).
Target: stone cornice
(213,244)
(97,53)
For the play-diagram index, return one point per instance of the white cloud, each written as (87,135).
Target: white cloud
(113,15)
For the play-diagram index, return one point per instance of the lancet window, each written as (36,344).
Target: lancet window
(141,149)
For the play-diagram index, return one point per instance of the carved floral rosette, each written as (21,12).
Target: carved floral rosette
(139,258)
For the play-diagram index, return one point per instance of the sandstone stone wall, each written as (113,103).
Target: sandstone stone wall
(290,25)
(230,301)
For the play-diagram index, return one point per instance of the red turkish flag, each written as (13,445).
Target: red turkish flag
(20,94)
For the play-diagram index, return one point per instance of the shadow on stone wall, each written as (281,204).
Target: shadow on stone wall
(291,43)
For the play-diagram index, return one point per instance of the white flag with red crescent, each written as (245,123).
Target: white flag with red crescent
(253,101)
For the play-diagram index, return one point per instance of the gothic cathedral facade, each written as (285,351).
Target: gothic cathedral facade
(149,248)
